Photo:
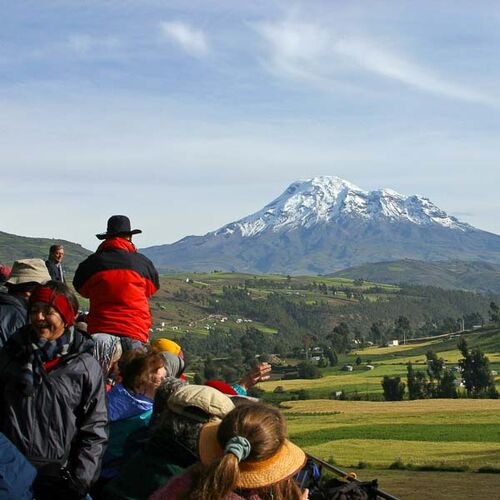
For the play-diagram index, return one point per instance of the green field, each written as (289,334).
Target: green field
(389,361)
(441,434)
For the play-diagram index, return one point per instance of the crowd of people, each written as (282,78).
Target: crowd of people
(90,408)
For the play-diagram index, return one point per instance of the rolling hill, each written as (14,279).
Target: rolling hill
(452,274)
(13,247)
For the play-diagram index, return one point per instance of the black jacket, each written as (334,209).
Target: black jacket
(64,422)
(55,272)
(13,315)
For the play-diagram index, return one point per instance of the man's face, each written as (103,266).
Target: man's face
(58,255)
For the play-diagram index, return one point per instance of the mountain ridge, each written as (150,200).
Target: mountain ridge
(329,199)
(324,224)
(450,274)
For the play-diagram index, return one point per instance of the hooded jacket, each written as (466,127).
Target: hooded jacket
(64,422)
(118,281)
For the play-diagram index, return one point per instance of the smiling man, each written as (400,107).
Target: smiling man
(54,263)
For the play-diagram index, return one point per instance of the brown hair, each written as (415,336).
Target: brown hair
(54,248)
(136,367)
(265,429)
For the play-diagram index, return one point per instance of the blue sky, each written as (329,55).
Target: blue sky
(186,115)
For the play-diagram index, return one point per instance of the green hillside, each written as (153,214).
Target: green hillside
(480,276)
(13,247)
(213,312)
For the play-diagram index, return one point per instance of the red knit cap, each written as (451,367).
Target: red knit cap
(56,300)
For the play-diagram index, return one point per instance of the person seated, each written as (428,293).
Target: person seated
(130,403)
(174,357)
(108,352)
(173,445)
(244,456)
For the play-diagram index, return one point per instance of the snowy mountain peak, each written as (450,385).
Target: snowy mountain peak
(328,199)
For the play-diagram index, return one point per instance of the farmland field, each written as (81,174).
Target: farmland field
(454,434)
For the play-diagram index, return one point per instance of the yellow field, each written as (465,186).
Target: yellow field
(381,453)
(363,381)
(422,406)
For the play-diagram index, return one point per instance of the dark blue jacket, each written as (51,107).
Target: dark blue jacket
(16,473)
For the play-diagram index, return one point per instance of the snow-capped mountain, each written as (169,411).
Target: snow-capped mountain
(330,199)
(325,224)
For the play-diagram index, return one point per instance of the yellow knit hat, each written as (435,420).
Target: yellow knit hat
(166,345)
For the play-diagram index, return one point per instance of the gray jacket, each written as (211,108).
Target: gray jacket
(64,422)
(13,315)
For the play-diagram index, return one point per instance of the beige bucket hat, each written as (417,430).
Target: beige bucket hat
(28,271)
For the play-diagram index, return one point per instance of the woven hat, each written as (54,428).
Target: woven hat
(253,474)
(28,271)
(118,225)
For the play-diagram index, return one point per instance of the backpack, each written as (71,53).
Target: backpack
(335,489)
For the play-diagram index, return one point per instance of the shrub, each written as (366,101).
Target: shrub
(489,469)
(398,465)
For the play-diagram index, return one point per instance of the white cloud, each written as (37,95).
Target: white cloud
(311,52)
(84,44)
(371,58)
(192,40)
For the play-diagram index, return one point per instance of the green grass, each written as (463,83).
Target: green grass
(484,433)
(438,433)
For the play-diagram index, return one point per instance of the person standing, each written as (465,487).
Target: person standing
(118,281)
(52,399)
(54,263)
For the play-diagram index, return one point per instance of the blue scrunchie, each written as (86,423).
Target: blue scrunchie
(239,446)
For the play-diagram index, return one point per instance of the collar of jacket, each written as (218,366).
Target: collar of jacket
(117,243)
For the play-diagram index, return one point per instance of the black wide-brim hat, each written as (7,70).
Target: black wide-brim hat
(118,225)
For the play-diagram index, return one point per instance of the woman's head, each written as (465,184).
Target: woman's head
(262,425)
(248,450)
(142,371)
(52,308)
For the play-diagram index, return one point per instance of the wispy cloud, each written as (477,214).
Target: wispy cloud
(312,52)
(192,40)
(84,44)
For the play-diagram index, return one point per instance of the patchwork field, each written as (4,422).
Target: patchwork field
(388,361)
(461,432)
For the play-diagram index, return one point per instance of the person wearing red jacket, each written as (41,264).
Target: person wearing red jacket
(118,281)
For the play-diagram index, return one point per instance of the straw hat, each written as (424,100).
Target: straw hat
(253,474)
(28,271)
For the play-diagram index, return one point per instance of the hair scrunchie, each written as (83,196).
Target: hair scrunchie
(239,446)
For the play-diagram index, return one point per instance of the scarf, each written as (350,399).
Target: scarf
(37,353)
